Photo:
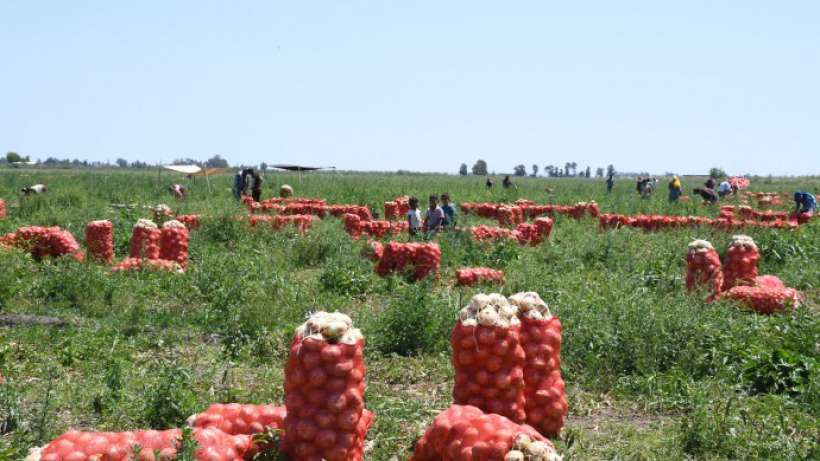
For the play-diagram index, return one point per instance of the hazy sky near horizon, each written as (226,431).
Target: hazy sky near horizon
(424,86)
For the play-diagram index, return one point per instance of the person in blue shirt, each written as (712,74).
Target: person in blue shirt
(449,211)
(805,202)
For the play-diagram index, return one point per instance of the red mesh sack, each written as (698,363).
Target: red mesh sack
(236,419)
(99,239)
(145,240)
(174,243)
(764,299)
(191,221)
(488,357)
(44,242)
(470,276)
(703,267)
(465,433)
(213,445)
(137,264)
(740,262)
(545,401)
(324,391)
(2,208)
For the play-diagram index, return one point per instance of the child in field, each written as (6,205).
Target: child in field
(413,216)
(449,211)
(433,217)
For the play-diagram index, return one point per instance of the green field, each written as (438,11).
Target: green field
(651,371)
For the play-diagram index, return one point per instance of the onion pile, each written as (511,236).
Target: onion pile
(324,391)
(397,208)
(488,357)
(355,226)
(659,222)
(305,208)
(145,240)
(465,433)
(510,215)
(740,262)
(530,209)
(421,259)
(340,210)
(174,243)
(470,276)
(545,402)
(765,298)
(99,239)
(44,242)
(703,268)
(213,445)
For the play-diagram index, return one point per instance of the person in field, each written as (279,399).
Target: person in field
(34,190)
(488,183)
(238,184)
(639,184)
(433,217)
(710,183)
(449,211)
(507,183)
(805,203)
(178,191)
(708,195)
(647,189)
(256,187)
(674,189)
(285,191)
(610,182)
(413,216)
(724,189)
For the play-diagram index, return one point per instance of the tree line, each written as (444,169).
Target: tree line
(570,169)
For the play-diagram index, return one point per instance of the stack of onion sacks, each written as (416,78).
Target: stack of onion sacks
(99,239)
(174,243)
(324,391)
(145,240)
(740,262)
(488,357)
(545,402)
(213,445)
(465,433)
(703,268)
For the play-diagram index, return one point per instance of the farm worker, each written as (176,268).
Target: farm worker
(709,196)
(178,191)
(805,203)
(507,183)
(610,181)
(449,211)
(256,189)
(285,191)
(710,183)
(489,183)
(238,184)
(724,189)
(433,217)
(674,189)
(648,188)
(639,184)
(34,190)
(413,216)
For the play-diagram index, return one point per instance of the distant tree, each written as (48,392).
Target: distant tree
(122,163)
(187,161)
(480,168)
(588,171)
(520,170)
(13,157)
(263,166)
(574,167)
(216,162)
(567,166)
(610,170)
(548,170)
(138,164)
(599,172)
(717,173)
(534,170)
(462,170)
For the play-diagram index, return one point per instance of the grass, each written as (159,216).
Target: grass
(652,371)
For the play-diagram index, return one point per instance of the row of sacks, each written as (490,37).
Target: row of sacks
(660,222)
(304,206)
(524,233)
(416,260)
(302,222)
(736,277)
(356,227)
(511,215)
(746,213)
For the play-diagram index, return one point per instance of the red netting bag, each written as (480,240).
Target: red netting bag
(324,391)
(137,264)
(488,357)
(469,276)
(99,239)
(465,433)
(703,267)
(2,208)
(545,401)
(236,419)
(191,221)
(174,243)
(740,262)
(145,240)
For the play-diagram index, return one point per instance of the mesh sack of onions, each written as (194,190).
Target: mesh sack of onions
(545,401)
(237,419)
(465,433)
(483,233)
(138,264)
(419,259)
(398,227)
(376,229)
(740,262)
(703,267)
(2,208)
(99,239)
(257,220)
(488,357)
(765,299)
(44,242)
(510,215)
(352,223)
(373,251)
(174,243)
(213,445)
(324,391)
(470,276)
(302,222)
(145,240)
(191,221)
(340,210)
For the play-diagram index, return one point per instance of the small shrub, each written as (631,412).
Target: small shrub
(169,401)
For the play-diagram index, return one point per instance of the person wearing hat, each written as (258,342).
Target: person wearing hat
(674,189)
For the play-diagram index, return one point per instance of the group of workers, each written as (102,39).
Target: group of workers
(436,218)
(507,183)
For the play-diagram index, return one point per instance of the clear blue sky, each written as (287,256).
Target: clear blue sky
(417,85)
